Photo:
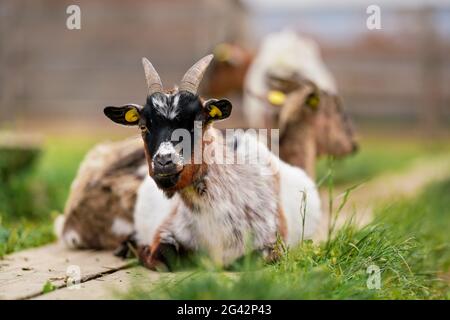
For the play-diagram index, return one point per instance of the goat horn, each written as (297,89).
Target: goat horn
(153,80)
(192,78)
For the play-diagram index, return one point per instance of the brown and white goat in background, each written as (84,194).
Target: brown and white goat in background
(99,211)
(217,208)
(307,110)
(287,62)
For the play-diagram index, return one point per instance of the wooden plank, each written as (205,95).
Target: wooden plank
(24,274)
(116,285)
(111,286)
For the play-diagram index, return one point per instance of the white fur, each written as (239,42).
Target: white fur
(165,148)
(219,214)
(167,104)
(152,208)
(159,103)
(175,110)
(72,239)
(58,225)
(294,182)
(122,227)
(283,54)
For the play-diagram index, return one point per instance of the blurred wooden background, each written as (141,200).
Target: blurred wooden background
(50,73)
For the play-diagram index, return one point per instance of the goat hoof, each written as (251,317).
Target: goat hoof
(127,248)
(121,251)
(148,259)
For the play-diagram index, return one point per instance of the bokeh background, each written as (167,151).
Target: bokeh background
(51,76)
(54,83)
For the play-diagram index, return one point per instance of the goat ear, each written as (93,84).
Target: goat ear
(217,109)
(127,115)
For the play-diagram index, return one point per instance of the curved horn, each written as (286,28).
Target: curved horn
(192,78)
(153,81)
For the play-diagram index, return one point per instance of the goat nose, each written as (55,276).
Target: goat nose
(164,159)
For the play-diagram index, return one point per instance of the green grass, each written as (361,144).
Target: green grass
(427,220)
(382,155)
(30,199)
(408,241)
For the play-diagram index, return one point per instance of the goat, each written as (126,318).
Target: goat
(210,207)
(312,131)
(284,55)
(99,211)
(307,131)
(286,62)
(312,122)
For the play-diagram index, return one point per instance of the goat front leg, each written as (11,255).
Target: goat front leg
(168,251)
(127,248)
(162,256)
(151,258)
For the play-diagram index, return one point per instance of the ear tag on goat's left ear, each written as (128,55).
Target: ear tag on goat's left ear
(276,97)
(214,111)
(132,115)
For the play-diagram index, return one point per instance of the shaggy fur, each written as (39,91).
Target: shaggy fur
(98,213)
(94,210)
(238,204)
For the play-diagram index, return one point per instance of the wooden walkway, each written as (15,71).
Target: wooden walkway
(24,275)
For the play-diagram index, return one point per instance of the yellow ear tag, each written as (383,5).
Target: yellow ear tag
(313,101)
(132,115)
(276,97)
(214,112)
(222,52)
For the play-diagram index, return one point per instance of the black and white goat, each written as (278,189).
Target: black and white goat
(208,206)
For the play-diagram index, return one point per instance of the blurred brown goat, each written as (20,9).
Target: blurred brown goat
(312,123)
(305,133)
(99,210)
(227,71)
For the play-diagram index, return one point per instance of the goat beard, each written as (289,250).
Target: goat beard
(188,177)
